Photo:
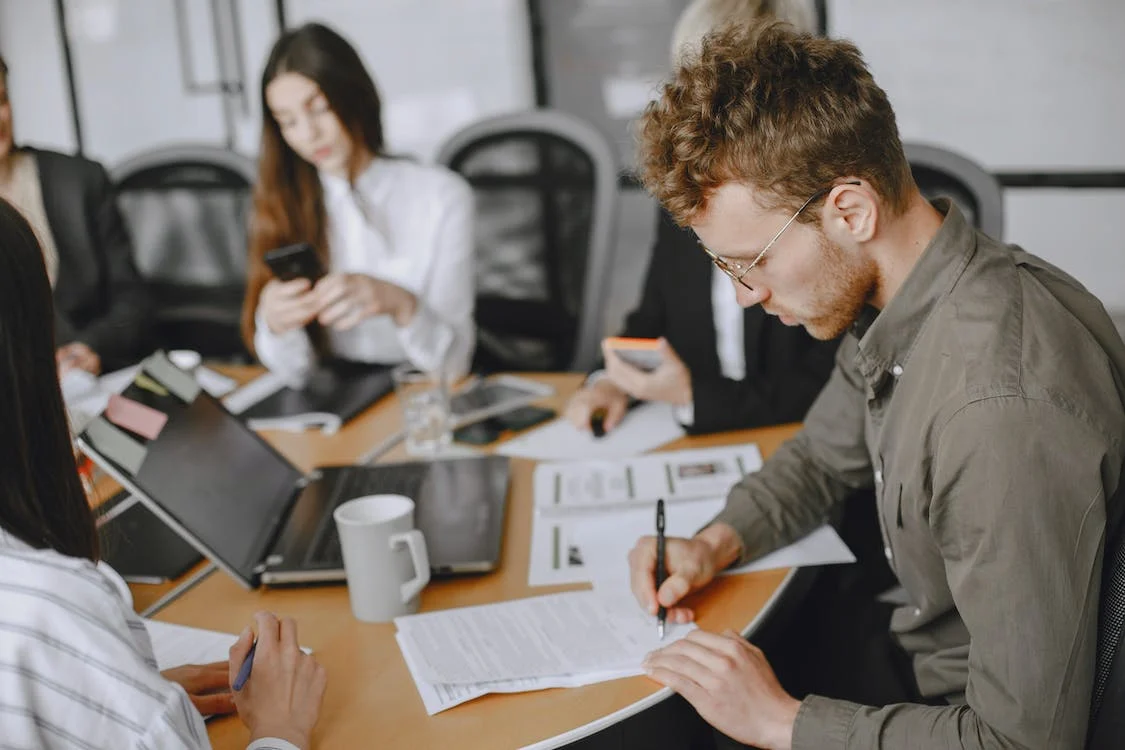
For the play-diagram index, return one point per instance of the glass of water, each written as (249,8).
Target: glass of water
(425,409)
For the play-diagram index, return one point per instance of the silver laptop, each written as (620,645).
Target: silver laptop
(243,505)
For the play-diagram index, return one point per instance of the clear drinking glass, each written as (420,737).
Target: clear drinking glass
(426,419)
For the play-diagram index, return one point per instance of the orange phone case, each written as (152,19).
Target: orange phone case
(644,354)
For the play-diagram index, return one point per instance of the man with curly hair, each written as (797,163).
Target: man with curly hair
(977,392)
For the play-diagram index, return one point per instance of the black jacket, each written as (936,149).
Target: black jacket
(100,298)
(785,367)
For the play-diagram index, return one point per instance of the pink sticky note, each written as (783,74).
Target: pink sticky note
(143,420)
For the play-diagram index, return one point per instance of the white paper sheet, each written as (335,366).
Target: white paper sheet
(437,697)
(573,547)
(584,486)
(176,645)
(572,497)
(544,636)
(606,550)
(646,427)
(821,547)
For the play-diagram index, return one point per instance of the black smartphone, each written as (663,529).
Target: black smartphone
(295,262)
(483,432)
(524,417)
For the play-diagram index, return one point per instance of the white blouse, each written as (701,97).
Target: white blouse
(409,224)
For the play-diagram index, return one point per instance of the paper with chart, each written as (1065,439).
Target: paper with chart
(646,427)
(573,497)
(611,485)
(544,636)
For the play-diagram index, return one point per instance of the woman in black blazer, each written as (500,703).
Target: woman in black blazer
(101,307)
(785,368)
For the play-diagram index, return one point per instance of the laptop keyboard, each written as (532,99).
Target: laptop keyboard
(388,480)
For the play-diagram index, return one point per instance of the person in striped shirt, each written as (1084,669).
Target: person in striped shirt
(76,664)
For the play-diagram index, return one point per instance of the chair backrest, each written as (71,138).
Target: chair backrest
(546,195)
(940,172)
(1107,708)
(187,209)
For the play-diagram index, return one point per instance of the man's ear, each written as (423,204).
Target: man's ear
(851,213)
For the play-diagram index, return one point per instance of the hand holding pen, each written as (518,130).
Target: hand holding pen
(277,687)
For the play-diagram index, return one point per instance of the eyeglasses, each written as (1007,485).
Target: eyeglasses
(736,271)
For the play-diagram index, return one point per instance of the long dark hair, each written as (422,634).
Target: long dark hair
(288,203)
(41,496)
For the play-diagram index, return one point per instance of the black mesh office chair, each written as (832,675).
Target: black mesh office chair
(1107,719)
(940,172)
(187,208)
(546,192)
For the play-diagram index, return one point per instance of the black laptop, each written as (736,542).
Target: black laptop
(239,502)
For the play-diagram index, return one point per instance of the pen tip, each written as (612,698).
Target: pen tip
(660,630)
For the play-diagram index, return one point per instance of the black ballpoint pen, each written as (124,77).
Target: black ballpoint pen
(661,572)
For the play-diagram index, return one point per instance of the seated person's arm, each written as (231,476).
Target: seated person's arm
(600,394)
(793,493)
(120,335)
(776,394)
(441,331)
(274,323)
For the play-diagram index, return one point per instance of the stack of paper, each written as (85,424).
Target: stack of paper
(560,640)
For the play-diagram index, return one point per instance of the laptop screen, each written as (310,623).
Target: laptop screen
(206,471)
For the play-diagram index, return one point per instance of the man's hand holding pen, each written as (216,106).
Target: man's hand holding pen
(690,565)
(727,680)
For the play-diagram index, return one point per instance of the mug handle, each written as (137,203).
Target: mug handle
(414,540)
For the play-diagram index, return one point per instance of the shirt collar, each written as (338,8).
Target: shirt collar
(11,541)
(336,187)
(887,338)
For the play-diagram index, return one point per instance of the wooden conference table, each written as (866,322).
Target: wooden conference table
(371,700)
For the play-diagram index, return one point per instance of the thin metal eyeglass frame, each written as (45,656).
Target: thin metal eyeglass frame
(731,269)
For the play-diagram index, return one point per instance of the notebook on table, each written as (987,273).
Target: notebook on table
(228,493)
(336,391)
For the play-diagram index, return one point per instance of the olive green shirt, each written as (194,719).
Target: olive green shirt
(984,407)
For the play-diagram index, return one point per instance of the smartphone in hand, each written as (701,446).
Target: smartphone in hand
(644,354)
(298,261)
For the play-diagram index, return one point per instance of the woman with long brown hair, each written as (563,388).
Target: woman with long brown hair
(394,236)
(76,664)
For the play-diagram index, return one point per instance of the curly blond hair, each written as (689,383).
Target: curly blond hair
(784,112)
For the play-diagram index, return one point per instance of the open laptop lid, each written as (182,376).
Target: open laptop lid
(206,474)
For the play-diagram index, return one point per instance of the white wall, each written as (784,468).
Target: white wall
(439,64)
(1017,85)
(37,77)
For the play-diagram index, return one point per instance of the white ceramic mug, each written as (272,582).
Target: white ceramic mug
(385,557)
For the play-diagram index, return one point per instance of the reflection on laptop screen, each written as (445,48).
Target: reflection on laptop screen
(221,482)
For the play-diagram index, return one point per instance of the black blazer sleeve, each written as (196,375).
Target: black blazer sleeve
(649,319)
(99,295)
(776,390)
